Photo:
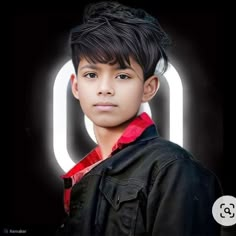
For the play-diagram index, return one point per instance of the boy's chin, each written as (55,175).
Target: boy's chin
(115,123)
(108,124)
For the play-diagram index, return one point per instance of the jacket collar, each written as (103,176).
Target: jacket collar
(133,132)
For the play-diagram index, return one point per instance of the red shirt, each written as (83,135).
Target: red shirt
(130,134)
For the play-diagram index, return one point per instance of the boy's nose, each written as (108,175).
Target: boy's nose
(105,88)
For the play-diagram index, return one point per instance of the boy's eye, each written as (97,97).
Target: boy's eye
(90,75)
(123,76)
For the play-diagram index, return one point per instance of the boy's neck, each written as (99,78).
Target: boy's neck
(107,137)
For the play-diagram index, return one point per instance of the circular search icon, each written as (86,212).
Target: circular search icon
(224,210)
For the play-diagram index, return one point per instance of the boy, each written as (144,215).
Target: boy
(134,182)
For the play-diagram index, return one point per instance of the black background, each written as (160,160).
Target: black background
(35,189)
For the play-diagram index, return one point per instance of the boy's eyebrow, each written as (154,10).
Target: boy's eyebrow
(89,66)
(93,66)
(124,68)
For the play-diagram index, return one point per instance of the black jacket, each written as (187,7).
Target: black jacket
(150,187)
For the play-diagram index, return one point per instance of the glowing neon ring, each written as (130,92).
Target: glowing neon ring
(60,118)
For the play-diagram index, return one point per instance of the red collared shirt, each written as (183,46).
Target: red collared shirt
(130,134)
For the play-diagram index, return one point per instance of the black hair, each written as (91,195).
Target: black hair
(112,33)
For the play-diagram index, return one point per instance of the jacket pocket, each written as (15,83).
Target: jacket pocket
(118,206)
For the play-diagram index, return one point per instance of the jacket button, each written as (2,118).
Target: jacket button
(118,200)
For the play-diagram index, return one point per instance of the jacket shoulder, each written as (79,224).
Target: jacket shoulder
(164,151)
(167,156)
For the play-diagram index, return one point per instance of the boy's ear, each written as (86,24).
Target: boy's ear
(74,86)
(151,85)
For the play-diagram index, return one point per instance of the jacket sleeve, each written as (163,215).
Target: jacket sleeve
(181,199)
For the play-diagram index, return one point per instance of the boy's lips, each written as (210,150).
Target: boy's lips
(105,106)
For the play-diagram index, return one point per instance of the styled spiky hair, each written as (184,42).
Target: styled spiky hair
(112,33)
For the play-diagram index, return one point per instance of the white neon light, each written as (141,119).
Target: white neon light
(60,112)
(59,117)
(176,102)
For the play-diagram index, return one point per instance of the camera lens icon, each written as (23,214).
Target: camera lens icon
(224,210)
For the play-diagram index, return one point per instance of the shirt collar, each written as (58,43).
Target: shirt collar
(132,132)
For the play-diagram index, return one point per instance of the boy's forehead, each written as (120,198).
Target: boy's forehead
(85,63)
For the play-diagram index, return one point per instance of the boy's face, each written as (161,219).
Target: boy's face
(108,95)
